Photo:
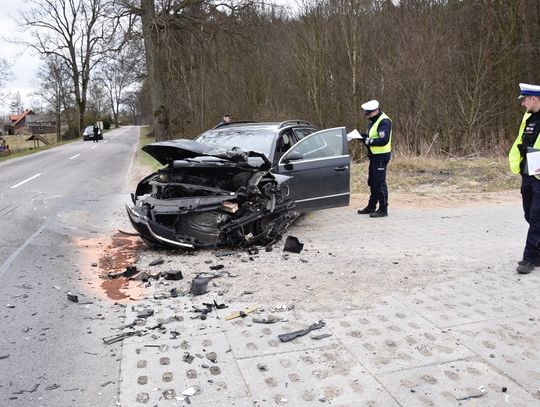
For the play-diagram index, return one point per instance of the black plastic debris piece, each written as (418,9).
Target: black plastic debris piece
(220,306)
(72,297)
(269,320)
(173,275)
(504,389)
(292,244)
(321,336)
(253,251)
(145,313)
(52,387)
(130,271)
(199,284)
(268,248)
(156,262)
(217,267)
(4,357)
(188,358)
(291,335)
(174,292)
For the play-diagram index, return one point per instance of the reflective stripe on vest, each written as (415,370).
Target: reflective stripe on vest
(374,134)
(514,156)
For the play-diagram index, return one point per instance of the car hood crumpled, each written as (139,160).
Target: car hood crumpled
(168,151)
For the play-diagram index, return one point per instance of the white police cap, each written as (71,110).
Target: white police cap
(526,89)
(370,106)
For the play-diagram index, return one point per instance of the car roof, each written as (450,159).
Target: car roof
(266,125)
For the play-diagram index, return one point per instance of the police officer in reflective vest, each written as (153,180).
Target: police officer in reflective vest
(378,141)
(527,141)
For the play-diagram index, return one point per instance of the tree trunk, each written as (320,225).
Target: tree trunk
(156,71)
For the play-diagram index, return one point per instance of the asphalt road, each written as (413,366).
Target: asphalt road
(50,348)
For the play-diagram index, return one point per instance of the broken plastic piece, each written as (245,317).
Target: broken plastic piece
(156,262)
(244,312)
(173,275)
(190,391)
(321,336)
(199,284)
(72,297)
(292,244)
(130,271)
(229,206)
(269,320)
(482,391)
(145,313)
(292,335)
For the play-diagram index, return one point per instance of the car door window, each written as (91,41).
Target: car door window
(284,143)
(301,132)
(323,144)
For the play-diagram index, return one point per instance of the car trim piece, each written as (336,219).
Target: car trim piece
(322,197)
(312,159)
(144,220)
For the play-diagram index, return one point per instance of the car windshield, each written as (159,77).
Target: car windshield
(89,129)
(252,138)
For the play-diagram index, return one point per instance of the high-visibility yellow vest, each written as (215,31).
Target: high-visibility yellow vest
(514,156)
(374,134)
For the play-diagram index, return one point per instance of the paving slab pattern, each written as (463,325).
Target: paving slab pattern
(469,336)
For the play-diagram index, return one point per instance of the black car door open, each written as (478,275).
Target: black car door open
(319,165)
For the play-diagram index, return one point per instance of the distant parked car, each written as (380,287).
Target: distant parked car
(240,184)
(88,133)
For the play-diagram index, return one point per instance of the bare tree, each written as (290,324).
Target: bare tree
(55,87)
(80,33)
(5,72)
(16,103)
(163,23)
(118,74)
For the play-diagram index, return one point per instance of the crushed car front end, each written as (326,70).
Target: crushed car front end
(207,198)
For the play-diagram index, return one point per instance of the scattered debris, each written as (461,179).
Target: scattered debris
(482,392)
(188,358)
(321,336)
(10,306)
(217,267)
(106,383)
(130,271)
(242,313)
(145,313)
(271,319)
(156,262)
(120,337)
(173,275)
(4,356)
(72,297)
(226,253)
(190,391)
(292,335)
(199,284)
(27,391)
(292,244)
(52,387)
(504,389)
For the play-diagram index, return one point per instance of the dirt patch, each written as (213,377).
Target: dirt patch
(104,255)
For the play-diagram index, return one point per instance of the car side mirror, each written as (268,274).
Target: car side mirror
(293,156)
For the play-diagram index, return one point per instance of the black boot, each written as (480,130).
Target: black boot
(378,214)
(525,267)
(366,211)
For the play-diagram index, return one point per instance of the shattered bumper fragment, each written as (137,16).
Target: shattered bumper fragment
(220,198)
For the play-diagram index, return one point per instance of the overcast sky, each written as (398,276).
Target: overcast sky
(25,64)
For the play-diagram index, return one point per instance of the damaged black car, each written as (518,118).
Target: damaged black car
(240,184)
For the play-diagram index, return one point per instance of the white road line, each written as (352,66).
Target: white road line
(97,145)
(26,180)
(106,141)
(75,156)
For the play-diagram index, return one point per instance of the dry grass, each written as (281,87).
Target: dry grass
(424,175)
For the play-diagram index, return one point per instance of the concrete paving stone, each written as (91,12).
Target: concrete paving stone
(213,371)
(492,282)
(440,304)
(180,307)
(526,301)
(510,344)
(328,375)
(442,385)
(249,339)
(393,339)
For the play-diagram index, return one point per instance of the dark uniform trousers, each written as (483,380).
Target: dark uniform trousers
(530,191)
(377,182)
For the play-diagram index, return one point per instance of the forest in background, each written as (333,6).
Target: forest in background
(446,71)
